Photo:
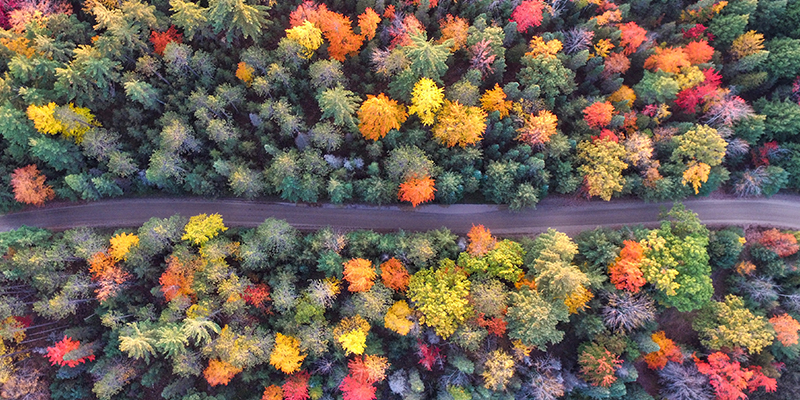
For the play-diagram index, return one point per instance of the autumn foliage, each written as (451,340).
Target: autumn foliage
(429,355)
(632,36)
(481,241)
(272,392)
(786,329)
(121,245)
(729,379)
(495,100)
(220,372)
(107,274)
(378,115)
(368,23)
(782,244)
(296,386)
(625,273)
(160,40)
(29,187)
(528,14)
(537,129)
(459,125)
(668,59)
(599,365)
(336,28)
(698,52)
(64,352)
(668,351)
(177,279)
(360,274)
(286,356)
(257,296)
(417,190)
(394,275)
(599,114)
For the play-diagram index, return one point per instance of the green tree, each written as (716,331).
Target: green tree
(428,58)
(533,320)
(172,340)
(188,16)
(236,17)
(143,92)
(340,104)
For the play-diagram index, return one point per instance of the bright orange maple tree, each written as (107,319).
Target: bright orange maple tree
(368,23)
(378,115)
(599,114)
(220,372)
(668,59)
(394,275)
(698,52)
(29,187)
(667,351)
(782,244)
(786,329)
(632,36)
(360,274)
(177,279)
(336,28)
(625,273)
(417,190)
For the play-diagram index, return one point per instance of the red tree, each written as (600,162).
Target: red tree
(161,39)
(257,296)
(495,325)
(65,352)
(429,355)
(296,386)
(528,14)
(667,351)
(730,379)
(354,389)
(29,187)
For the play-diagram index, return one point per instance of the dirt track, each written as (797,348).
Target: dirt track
(780,211)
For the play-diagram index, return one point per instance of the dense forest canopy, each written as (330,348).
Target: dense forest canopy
(385,101)
(186,308)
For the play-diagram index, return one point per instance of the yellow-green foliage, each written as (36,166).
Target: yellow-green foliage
(441,295)
(70,121)
(202,228)
(306,35)
(731,324)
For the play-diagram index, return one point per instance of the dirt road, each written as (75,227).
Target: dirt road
(781,211)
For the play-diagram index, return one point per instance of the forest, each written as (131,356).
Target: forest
(187,308)
(379,102)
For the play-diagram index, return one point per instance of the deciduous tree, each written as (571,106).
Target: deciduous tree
(286,356)
(599,114)
(785,328)
(68,352)
(537,129)
(441,294)
(730,379)
(219,372)
(528,14)
(598,365)
(394,275)
(360,274)
(202,228)
(351,334)
(625,273)
(460,125)
(378,115)
(667,351)
(426,100)
(417,190)
(29,187)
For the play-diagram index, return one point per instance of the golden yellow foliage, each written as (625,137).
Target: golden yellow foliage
(603,47)
(396,318)
(540,47)
(68,120)
(459,125)
(426,100)
(537,129)
(306,35)
(121,244)
(245,73)
(378,115)
(696,173)
(577,301)
(202,228)
(495,100)
(498,370)
(286,356)
(624,93)
(351,334)
(747,44)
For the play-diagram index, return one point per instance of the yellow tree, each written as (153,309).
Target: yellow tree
(495,100)
(70,121)
(308,36)
(378,115)
(202,228)
(426,100)
(351,334)
(121,244)
(602,167)
(459,125)
(286,356)
(396,318)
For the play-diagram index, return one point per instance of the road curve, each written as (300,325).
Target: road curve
(779,211)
